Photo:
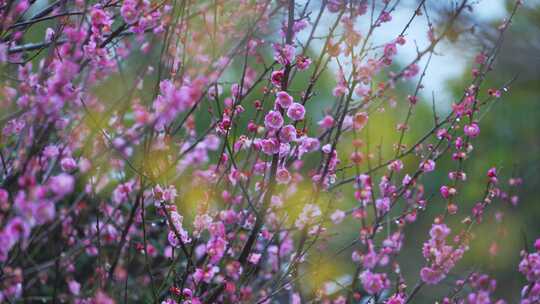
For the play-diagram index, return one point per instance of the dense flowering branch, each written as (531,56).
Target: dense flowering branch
(178,150)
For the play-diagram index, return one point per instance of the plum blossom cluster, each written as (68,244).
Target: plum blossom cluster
(441,256)
(216,151)
(530,268)
(482,289)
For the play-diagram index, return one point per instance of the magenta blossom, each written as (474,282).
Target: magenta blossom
(374,283)
(296,111)
(287,134)
(273,120)
(471,130)
(284,99)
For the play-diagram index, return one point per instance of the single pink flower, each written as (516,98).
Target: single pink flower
(296,111)
(287,134)
(273,120)
(283,176)
(471,130)
(327,122)
(284,99)
(277,77)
